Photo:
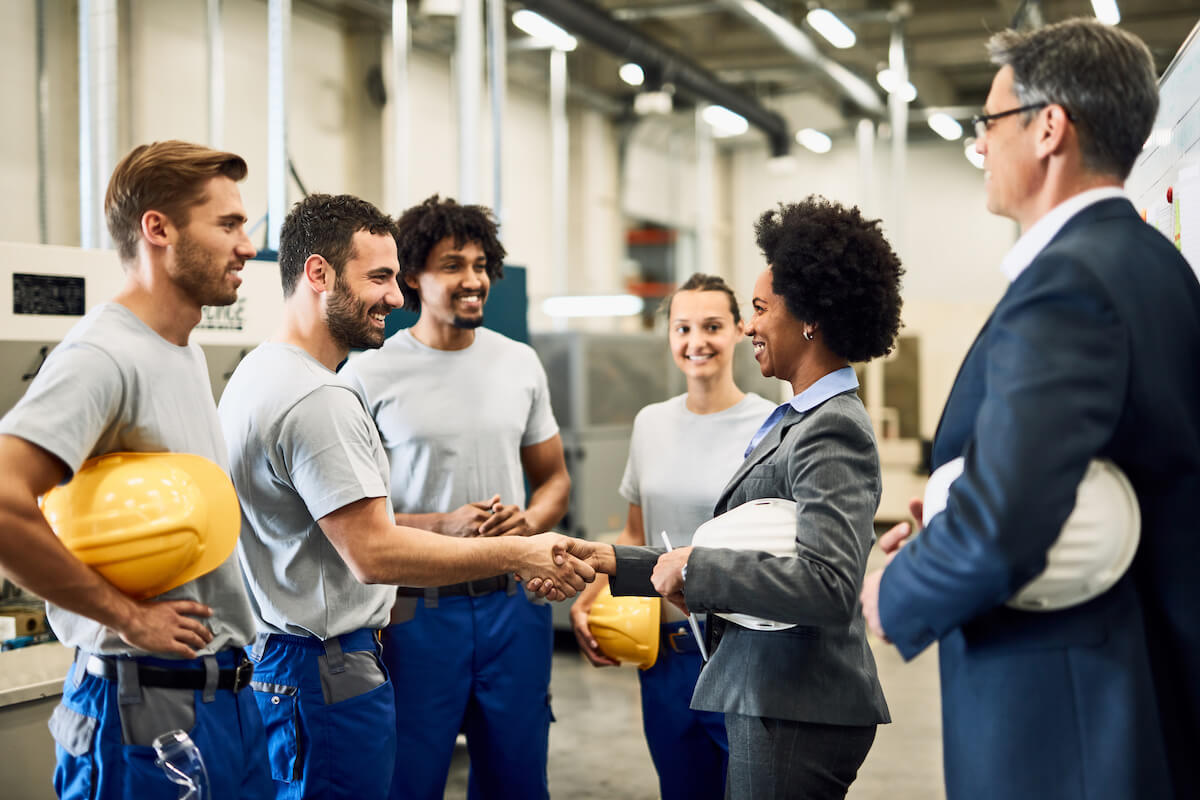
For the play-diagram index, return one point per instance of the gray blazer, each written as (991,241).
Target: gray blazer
(822,670)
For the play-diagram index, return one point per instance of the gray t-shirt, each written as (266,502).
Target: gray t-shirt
(680,461)
(301,446)
(114,385)
(454,421)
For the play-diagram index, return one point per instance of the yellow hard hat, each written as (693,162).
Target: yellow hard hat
(147,522)
(626,628)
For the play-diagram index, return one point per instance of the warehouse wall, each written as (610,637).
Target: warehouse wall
(950,244)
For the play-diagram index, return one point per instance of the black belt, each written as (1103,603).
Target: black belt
(233,680)
(469,588)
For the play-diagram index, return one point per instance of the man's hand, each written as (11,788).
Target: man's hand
(466,521)
(506,521)
(549,567)
(583,633)
(668,576)
(898,535)
(599,556)
(167,627)
(870,602)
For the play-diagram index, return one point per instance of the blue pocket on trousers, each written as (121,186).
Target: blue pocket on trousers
(281,723)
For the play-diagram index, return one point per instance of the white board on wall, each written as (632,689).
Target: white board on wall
(1165,182)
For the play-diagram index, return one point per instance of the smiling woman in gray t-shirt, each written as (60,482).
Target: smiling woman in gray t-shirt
(682,453)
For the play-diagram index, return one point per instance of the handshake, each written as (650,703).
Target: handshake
(557,567)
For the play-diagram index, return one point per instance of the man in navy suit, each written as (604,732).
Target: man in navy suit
(1093,352)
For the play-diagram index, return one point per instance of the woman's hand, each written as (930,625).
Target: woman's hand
(579,624)
(668,576)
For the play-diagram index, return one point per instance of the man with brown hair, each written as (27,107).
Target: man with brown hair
(323,550)
(126,378)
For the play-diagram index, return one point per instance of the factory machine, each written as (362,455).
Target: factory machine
(43,292)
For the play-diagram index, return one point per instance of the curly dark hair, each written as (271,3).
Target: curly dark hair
(325,224)
(833,268)
(420,228)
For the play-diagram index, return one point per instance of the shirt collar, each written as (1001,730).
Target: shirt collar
(836,382)
(1034,240)
(827,386)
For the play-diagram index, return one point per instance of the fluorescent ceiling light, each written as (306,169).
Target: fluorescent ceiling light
(613,305)
(945,126)
(725,123)
(1107,11)
(632,74)
(544,30)
(973,155)
(891,83)
(827,24)
(814,140)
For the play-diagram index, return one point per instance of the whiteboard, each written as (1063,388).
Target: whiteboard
(1170,159)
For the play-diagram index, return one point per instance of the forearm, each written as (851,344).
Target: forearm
(35,559)
(426,522)
(632,569)
(412,557)
(797,589)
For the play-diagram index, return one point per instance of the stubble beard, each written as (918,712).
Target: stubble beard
(200,275)
(348,320)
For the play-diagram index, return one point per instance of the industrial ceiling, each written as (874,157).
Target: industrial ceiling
(943,44)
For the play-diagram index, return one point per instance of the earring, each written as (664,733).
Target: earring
(808,335)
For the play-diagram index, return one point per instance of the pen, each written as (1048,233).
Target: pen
(691,617)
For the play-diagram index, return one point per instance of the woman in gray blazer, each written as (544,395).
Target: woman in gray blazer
(801,704)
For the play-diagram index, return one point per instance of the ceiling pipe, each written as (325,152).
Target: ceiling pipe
(586,21)
(798,43)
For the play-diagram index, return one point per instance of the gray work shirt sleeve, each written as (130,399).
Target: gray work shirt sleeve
(327,448)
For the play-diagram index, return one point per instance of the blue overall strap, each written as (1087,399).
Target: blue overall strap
(129,688)
(334,658)
(211,674)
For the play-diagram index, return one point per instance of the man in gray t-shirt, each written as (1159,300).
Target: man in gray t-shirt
(320,533)
(126,378)
(464,413)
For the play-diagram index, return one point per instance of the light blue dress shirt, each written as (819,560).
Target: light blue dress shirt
(825,387)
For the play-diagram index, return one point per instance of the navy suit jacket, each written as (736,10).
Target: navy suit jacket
(1094,351)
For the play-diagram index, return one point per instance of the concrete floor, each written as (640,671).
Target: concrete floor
(598,752)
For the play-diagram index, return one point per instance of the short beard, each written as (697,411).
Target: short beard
(468,324)
(346,318)
(194,274)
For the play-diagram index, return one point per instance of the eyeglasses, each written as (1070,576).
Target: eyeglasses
(982,122)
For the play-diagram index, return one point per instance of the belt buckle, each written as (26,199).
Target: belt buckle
(242,675)
(682,633)
(487,586)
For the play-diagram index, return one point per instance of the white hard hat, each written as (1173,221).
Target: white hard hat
(1094,549)
(768,525)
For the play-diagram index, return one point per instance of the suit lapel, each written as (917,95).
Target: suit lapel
(769,444)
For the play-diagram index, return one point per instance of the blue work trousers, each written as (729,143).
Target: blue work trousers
(104,745)
(329,715)
(689,748)
(480,665)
